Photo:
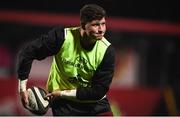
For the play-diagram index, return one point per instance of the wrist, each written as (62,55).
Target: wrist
(68,93)
(22,85)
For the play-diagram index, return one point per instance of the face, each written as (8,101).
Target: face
(96,29)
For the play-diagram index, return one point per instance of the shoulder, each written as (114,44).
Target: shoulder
(56,32)
(57,29)
(105,42)
(72,32)
(110,50)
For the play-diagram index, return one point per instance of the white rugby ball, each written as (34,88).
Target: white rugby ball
(37,105)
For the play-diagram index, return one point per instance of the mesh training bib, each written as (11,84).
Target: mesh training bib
(74,66)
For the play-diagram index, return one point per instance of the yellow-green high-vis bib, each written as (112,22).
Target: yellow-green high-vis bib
(74,66)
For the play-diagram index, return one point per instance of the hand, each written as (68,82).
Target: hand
(54,94)
(24,98)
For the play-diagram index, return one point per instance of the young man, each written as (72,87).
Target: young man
(82,67)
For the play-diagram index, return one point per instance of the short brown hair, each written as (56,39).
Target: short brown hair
(91,12)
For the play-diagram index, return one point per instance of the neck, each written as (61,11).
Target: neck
(86,42)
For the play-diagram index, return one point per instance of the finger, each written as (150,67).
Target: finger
(24,99)
(48,95)
(24,102)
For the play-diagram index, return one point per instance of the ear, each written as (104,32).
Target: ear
(83,26)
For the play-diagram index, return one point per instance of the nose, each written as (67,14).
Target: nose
(100,28)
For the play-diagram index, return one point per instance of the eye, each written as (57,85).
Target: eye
(103,23)
(95,25)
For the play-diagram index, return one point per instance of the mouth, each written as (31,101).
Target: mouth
(99,35)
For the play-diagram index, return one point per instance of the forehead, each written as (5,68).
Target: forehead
(103,20)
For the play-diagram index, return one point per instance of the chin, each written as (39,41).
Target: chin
(99,38)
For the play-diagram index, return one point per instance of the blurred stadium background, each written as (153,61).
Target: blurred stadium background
(146,35)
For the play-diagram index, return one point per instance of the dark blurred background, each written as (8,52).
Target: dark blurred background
(145,34)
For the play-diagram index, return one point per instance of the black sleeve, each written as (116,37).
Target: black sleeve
(101,80)
(39,49)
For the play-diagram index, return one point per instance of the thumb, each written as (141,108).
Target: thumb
(24,98)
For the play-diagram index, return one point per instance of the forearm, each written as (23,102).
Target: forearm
(88,94)
(98,90)
(23,65)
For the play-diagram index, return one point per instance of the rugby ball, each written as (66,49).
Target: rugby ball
(37,105)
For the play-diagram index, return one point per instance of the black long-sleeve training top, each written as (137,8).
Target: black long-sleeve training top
(50,44)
